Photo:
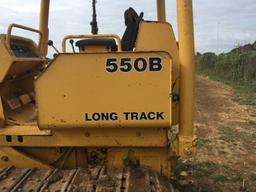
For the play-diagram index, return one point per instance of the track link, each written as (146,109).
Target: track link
(82,180)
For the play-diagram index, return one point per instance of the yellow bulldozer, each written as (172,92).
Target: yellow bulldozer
(99,117)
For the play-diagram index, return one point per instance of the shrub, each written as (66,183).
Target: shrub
(239,65)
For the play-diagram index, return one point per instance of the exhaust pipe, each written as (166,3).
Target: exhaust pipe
(43,27)
(186,138)
(161,13)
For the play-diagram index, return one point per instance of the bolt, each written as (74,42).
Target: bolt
(175,98)
(87,134)
(4,158)
(138,134)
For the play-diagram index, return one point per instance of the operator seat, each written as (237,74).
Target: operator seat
(109,44)
(132,21)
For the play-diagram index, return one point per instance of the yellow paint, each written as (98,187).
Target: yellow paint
(81,85)
(136,137)
(75,84)
(9,34)
(116,37)
(12,65)
(94,49)
(187,72)
(156,159)
(161,15)
(10,156)
(160,36)
(5,58)
(2,117)
(43,26)
(29,130)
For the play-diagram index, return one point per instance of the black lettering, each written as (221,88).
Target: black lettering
(155,64)
(104,116)
(111,65)
(87,117)
(151,116)
(134,116)
(125,65)
(143,116)
(126,115)
(113,116)
(140,64)
(159,116)
(96,116)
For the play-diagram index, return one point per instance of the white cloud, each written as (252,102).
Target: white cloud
(219,25)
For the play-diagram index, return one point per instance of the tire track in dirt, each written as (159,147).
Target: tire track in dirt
(225,128)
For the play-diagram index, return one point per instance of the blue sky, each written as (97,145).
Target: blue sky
(220,25)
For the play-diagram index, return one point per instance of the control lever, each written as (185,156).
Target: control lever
(51,44)
(71,41)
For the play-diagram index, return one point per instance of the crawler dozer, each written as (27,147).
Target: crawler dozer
(100,115)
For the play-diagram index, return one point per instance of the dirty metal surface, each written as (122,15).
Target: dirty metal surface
(82,180)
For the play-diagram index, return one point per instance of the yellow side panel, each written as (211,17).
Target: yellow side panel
(5,59)
(12,157)
(78,91)
(84,137)
(159,36)
(28,130)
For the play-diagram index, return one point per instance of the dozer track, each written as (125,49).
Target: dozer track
(82,180)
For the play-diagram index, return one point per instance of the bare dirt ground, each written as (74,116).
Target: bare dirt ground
(226,159)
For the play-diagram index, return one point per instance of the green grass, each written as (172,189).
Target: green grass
(199,169)
(220,178)
(206,168)
(231,135)
(202,142)
(253,177)
(245,91)
(183,165)
(236,68)
(252,122)
(215,174)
